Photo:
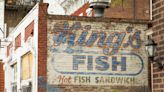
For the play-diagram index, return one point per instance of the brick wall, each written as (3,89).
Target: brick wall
(158,36)
(136,9)
(1,77)
(42,44)
(66,33)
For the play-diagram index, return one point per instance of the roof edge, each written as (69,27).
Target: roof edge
(98,19)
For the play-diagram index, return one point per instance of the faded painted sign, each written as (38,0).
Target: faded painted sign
(96,53)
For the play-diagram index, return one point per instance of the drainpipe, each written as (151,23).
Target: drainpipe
(99,6)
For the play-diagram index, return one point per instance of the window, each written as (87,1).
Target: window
(27,61)
(14,82)
(29,30)
(27,88)
(14,87)
(18,41)
(9,49)
(10,1)
(14,67)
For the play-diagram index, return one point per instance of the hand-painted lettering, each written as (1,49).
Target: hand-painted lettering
(78,59)
(109,42)
(115,63)
(102,63)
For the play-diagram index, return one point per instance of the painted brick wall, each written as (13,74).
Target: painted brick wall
(1,77)
(42,41)
(82,53)
(158,36)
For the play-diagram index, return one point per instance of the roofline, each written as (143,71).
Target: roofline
(98,19)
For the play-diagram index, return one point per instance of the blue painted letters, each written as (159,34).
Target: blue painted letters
(102,63)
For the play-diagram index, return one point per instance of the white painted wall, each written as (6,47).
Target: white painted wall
(1,17)
(74,6)
(1,27)
(29,45)
(55,7)
(64,7)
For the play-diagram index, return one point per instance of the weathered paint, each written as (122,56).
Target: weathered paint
(30,45)
(96,53)
(2,28)
(1,18)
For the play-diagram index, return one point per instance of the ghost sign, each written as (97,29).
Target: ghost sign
(87,53)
